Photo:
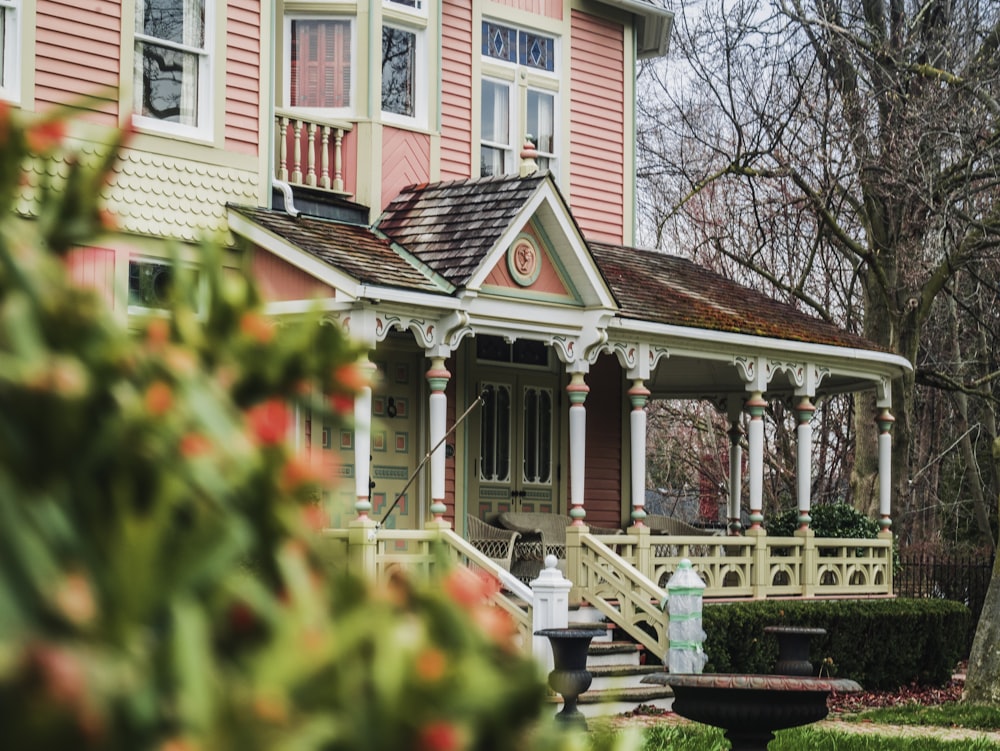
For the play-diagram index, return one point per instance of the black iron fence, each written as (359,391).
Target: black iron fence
(961,577)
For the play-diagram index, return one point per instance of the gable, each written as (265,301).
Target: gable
(528,270)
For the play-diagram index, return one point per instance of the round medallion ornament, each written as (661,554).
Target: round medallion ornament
(524,261)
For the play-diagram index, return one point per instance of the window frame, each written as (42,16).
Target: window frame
(205,55)
(10,73)
(419,78)
(286,97)
(521,79)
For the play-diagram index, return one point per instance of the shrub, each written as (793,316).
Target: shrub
(838,520)
(882,644)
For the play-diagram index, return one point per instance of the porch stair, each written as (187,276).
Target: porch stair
(617,668)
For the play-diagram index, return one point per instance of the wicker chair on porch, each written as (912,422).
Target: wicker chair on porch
(495,543)
(668,525)
(541,535)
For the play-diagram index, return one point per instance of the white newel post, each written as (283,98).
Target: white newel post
(438,377)
(550,609)
(577,391)
(804,411)
(755,406)
(639,396)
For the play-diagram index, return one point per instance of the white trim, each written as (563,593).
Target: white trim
(13,62)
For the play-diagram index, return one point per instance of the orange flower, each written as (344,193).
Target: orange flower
(257,327)
(352,376)
(300,470)
(157,332)
(430,665)
(43,136)
(441,736)
(469,588)
(343,404)
(314,517)
(75,599)
(195,444)
(495,623)
(269,422)
(159,398)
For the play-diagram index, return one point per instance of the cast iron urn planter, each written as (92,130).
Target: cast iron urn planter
(793,648)
(570,676)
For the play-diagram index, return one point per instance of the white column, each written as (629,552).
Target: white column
(577,391)
(438,377)
(884,422)
(363,447)
(735,478)
(804,411)
(639,396)
(755,435)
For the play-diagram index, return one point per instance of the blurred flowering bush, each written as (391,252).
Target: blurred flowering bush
(159,582)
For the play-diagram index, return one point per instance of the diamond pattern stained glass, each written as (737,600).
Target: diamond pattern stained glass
(499,42)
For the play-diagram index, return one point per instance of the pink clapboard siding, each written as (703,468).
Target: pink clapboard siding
(456,90)
(604,405)
(406,160)
(77,51)
(243,27)
(547,8)
(94,268)
(279,281)
(597,128)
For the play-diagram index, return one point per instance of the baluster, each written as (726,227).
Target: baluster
(338,161)
(283,149)
(311,157)
(297,159)
(324,155)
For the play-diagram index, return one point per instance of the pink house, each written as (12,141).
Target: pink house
(453,182)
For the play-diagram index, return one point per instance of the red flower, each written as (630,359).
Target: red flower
(44,136)
(441,736)
(352,376)
(269,421)
(157,332)
(195,444)
(430,665)
(343,404)
(469,588)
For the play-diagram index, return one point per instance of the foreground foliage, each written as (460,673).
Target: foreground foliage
(160,587)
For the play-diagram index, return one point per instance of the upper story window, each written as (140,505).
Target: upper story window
(519,97)
(9,49)
(320,62)
(404,67)
(172,63)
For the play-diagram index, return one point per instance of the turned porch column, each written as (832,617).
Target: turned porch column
(884,422)
(735,434)
(577,391)
(438,377)
(804,411)
(755,407)
(363,444)
(639,396)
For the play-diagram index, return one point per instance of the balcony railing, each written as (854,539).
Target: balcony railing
(309,151)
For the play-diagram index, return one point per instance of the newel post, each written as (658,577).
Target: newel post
(549,609)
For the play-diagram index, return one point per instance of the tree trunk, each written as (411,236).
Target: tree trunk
(982,681)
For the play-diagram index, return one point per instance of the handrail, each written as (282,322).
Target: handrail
(624,595)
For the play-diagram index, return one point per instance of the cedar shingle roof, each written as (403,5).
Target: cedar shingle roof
(661,288)
(355,250)
(451,226)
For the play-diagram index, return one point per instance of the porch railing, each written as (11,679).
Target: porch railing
(308,150)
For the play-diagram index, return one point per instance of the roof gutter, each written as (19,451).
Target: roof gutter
(652,29)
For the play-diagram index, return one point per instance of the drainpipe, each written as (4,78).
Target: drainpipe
(286,192)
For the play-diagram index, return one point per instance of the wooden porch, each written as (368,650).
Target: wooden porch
(624,575)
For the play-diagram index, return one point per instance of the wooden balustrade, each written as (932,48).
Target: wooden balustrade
(309,151)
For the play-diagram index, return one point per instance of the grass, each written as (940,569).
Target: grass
(695,737)
(950,714)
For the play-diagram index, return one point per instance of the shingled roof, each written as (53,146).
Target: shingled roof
(451,226)
(661,288)
(355,250)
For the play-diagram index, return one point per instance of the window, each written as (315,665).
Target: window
(415,4)
(320,63)
(9,53)
(172,62)
(399,61)
(519,89)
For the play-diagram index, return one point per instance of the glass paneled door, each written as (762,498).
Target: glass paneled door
(516,468)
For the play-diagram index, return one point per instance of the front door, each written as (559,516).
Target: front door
(516,466)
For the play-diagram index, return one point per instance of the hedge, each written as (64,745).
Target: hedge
(882,644)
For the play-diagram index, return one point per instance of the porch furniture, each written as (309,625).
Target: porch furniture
(541,535)
(668,525)
(496,543)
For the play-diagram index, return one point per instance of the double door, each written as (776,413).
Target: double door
(515,442)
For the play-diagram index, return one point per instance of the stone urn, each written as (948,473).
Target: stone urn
(793,649)
(570,677)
